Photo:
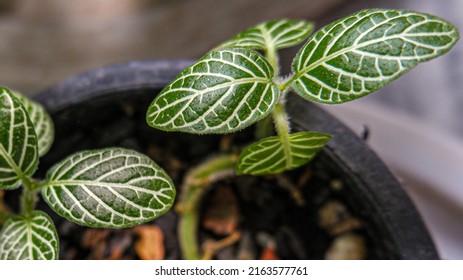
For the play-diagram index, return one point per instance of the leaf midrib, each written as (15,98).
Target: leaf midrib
(310,67)
(197,93)
(63,183)
(28,223)
(268,42)
(11,162)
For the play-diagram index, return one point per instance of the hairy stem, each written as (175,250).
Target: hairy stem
(28,201)
(29,195)
(282,127)
(196,182)
(272,57)
(264,127)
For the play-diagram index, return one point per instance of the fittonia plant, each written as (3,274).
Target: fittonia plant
(235,86)
(110,188)
(230,88)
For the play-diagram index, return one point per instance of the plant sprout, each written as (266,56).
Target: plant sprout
(106,188)
(233,86)
(238,84)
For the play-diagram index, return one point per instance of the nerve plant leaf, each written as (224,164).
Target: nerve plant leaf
(29,238)
(361,53)
(224,91)
(277,34)
(111,188)
(42,123)
(274,155)
(18,141)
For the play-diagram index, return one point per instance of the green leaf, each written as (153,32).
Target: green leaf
(361,53)
(274,154)
(29,238)
(224,91)
(18,142)
(42,123)
(111,188)
(276,34)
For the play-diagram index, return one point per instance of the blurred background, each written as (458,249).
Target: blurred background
(415,124)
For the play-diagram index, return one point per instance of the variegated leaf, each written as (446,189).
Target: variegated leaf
(276,34)
(361,53)
(111,188)
(29,238)
(275,154)
(42,123)
(18,142)
(224,91)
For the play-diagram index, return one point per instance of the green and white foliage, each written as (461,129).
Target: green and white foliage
(361,53)
(42,123)
(276,154)
(276,34)
(18,142)
(29,238)
(225,91)
(111,188)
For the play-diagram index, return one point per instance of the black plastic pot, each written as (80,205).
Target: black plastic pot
(373,192)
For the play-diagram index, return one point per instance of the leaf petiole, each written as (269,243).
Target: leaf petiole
(272,57)
(286,83)
(194,186)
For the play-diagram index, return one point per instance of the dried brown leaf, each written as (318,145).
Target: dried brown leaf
(150,245)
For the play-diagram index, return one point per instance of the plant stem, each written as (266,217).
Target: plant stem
(281,120)
(284,86)
(28,196)
(272,58)
(188,227)
(28,201)
(264,127)
(196,182)
(282,127)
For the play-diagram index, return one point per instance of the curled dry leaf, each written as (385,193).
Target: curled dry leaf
(106,244)
(150,245)
(211,247)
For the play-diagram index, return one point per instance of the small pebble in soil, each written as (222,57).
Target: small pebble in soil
(336,185)
(348,246)
(336,219)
